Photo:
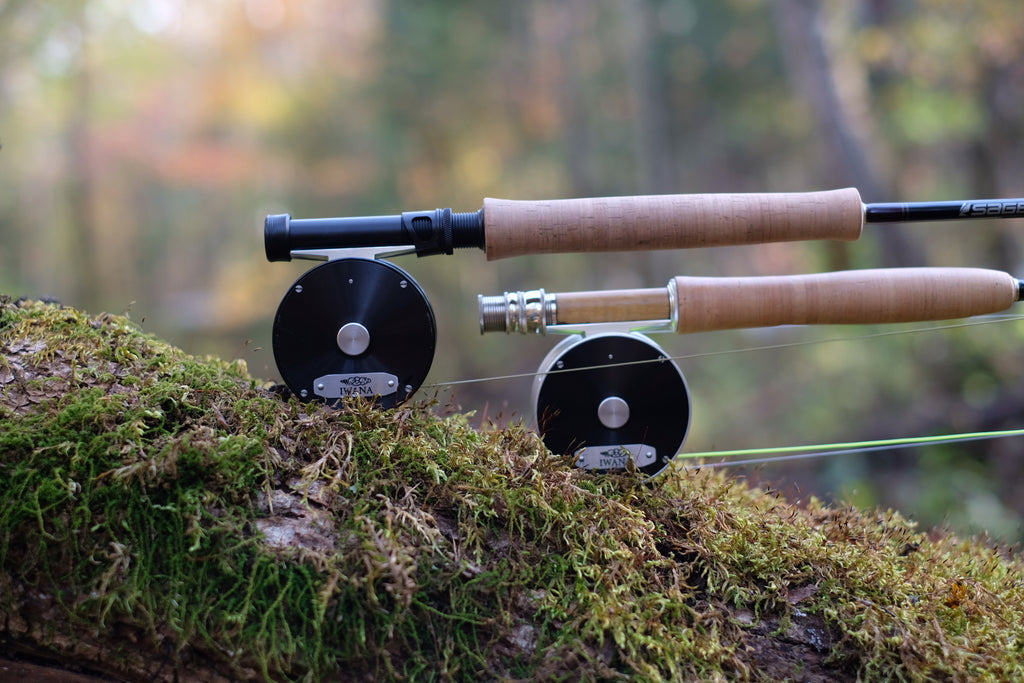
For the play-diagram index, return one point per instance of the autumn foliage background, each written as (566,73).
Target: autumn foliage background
(144,141)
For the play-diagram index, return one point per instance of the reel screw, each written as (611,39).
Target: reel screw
(303,393)
(408,388)
(403,284)
(560,364)
(298,289)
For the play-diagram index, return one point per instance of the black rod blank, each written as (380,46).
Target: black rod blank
(943,211)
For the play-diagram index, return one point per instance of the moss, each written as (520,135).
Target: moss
(164,514)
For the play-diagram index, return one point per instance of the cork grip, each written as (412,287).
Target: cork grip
(864,297)
(680,221)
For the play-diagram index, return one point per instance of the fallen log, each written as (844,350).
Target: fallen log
(167,518)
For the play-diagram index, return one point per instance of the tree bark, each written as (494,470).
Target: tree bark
(835,91)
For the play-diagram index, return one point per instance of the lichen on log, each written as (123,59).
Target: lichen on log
(165,517)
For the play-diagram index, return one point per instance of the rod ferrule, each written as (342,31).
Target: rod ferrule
(525,312)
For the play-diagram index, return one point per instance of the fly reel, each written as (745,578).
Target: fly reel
(354,327)
(358,326)
(612,399)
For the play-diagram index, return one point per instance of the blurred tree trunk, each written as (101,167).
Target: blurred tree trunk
(998,160)
(13,43)
(654,148)
(836,91)
(999,153)
(579,160)
(83,227)
(652,138)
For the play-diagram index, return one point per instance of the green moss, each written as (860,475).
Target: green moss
(238,535)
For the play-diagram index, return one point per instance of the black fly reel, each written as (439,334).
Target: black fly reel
(357,325)
(610,400)
(354,327)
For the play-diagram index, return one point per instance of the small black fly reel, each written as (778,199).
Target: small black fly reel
(354,327)
(609,398)
(358,325)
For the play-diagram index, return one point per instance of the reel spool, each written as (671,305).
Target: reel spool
(354,327)
(612,398)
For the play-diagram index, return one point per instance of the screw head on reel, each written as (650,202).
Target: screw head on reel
(612,398)
(354,327)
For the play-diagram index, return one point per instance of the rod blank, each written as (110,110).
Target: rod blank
(943,211)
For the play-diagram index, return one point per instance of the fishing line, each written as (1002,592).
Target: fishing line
(790,453)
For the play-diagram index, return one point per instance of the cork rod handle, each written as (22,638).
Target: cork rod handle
(846,297)
(680,221)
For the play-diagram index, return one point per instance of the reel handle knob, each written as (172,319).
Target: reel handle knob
(676,221)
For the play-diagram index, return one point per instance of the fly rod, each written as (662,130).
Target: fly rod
(505,228)
(702,304)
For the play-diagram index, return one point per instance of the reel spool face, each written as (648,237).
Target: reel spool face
(354,327)
(588,404)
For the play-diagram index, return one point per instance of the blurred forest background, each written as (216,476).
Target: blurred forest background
(142,142)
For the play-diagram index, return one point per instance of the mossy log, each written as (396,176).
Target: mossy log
(168,518)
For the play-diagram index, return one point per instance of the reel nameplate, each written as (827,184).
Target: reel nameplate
(365,384)
(615,456)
